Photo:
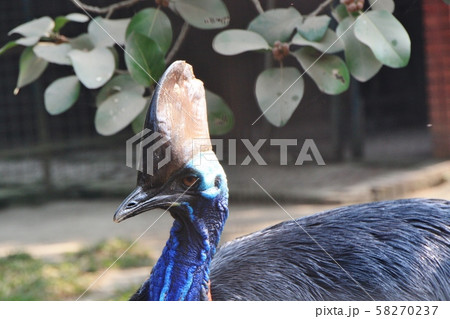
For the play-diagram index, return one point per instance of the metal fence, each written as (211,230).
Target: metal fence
(42,155)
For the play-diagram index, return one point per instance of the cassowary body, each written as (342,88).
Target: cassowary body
(395,250)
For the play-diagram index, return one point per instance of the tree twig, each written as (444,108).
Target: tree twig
(119,71)
(108,9)
(109,14)
(258,6)
(321,7)
(178,43)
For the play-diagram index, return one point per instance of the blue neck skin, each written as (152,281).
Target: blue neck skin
(182,271)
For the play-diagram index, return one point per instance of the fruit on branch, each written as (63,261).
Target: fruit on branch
(280,50)
(353,5)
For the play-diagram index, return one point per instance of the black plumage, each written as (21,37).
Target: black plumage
(394,250)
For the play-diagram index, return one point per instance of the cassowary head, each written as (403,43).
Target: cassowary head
(192,181)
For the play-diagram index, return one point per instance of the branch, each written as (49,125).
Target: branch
(258,6)
(119,71)
(56,38)
(321,7)
(108,9)
(178,43)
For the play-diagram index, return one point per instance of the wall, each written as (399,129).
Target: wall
(436,16)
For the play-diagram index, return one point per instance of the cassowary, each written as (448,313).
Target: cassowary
(394,250)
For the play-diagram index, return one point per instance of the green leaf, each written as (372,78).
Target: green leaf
(117,84)
(220,116)
(54,53)
(329,44)
(35,28)
(276,24)
(447,1)
(144,60)
(203,14)
(279,92)
(61,94)
(61,21)
(106,32)
(361,62)
(340,12)
(118,111)
(387,5)
(30,68)
(231,42)
(28,41)
(329,72)
(93,68)
(77,17)
(82,42)
(138,123)
(385,36)
(7,46)
(154,24)
(116,56)
(314,28)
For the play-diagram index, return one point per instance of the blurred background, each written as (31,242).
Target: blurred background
(60,181)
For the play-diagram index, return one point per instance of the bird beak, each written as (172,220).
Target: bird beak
(140,201)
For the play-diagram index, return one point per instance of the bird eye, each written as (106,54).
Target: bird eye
(189,180)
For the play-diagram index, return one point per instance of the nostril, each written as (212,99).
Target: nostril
(131,204)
